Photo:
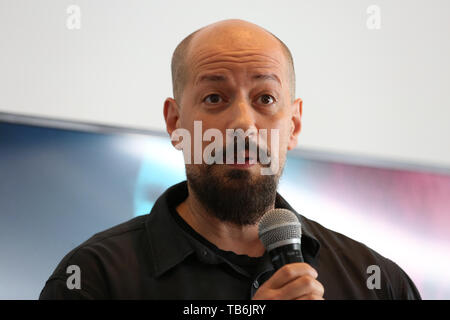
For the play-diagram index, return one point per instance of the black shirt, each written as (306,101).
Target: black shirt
(159,256)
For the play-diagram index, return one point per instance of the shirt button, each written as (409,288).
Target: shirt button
(205,253)
(256,284)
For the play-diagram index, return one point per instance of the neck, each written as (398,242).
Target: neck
(226,236)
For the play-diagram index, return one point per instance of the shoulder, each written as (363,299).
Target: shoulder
(96,258)
(117,238)
(355,256)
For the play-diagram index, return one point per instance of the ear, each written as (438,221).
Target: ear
(296,123)
(171,116)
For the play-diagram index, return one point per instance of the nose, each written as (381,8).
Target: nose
(241,115)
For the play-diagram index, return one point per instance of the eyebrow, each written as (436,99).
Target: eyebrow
(222,78)
(267,76)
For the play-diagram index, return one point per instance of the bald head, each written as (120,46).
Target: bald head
(236,33)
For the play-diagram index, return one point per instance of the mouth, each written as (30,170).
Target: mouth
(249,161)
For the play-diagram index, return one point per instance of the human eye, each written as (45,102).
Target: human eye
(213,98)
(266,99)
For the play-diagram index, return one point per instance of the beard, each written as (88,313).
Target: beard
(235,196)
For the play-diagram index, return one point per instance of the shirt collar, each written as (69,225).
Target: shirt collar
(168,242)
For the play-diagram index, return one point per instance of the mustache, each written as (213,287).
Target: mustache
(255,150)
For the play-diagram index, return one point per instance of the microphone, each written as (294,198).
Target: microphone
(280,232)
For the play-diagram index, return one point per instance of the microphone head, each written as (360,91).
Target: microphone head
(279,227)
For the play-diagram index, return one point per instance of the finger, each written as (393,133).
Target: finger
(310,297)
(305,285)
(288,273)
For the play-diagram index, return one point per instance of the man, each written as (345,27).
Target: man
(201,238)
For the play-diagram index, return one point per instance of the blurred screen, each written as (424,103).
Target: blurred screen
(60,186)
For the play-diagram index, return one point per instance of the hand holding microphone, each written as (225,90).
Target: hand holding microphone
(280,232)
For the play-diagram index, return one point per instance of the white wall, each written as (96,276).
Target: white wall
(382,93)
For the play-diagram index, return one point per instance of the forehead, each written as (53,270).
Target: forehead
(234,51)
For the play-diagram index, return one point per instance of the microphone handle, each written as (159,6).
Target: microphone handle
(289,253)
